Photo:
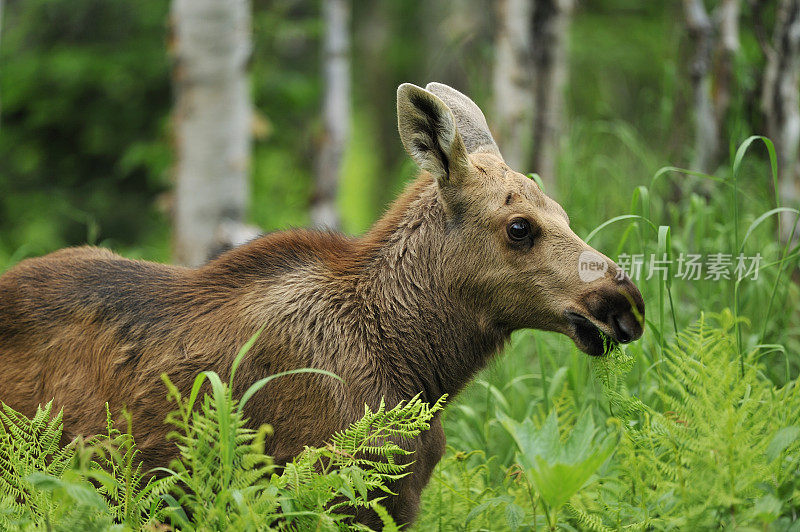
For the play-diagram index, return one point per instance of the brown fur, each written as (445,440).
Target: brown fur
(419,304)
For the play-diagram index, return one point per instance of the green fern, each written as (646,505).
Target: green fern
(377,434)
(463,496)
(134,496)
(30,446)
(586,520)
(220,470)
(222,479)
(225,481)
(713,447)
(356,469)
(707,451)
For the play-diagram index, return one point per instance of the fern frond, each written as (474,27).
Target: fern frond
(587,521)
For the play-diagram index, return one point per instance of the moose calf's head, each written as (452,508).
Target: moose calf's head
(507,245)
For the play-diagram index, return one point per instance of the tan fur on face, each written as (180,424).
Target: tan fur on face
(419,304)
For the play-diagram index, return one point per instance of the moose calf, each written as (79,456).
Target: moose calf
(471,251)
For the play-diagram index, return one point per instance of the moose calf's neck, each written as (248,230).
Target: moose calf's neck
(435,333)
(378,311)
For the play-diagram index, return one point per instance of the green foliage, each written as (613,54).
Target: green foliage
(359,464)
(721,446)
(67,488)
(85,100)
(470,491)
(558,469)
(377,434)
(221,480)
(28,446)
(226,481)
(711,448)
(134,497)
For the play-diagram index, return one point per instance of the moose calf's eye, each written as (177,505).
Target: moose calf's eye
(519,229)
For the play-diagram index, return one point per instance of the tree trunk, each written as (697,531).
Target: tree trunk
(550,32)
(212,121)
(726,49)
(780,102)
(336,112)
(706,132)
(716,43)
(513,99)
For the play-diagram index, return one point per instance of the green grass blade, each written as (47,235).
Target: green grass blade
(242,352)
(256,386)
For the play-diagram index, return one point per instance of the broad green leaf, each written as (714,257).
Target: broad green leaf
(782,439)
(514,516)
(558,470)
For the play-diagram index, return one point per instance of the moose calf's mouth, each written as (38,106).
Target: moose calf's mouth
(589,337)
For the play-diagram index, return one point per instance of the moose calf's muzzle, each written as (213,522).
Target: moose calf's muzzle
(612,312)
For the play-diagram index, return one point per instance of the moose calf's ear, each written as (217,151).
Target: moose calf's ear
(470,122)
(429,134)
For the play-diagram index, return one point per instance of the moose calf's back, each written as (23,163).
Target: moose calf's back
(86,327)
(471,251)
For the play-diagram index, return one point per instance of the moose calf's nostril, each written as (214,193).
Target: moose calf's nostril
(624,327)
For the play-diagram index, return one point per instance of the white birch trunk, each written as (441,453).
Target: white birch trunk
(513,98)
(716,42)
(551,21)
(780,101)
(336,113)
(706,132)
(212,121)
(726,49)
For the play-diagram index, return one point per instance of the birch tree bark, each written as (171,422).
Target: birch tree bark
(550,33)
(706,133)
(212,121)
(513,98)
(336,113)
(715,40)
(780,101)
(726,50)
